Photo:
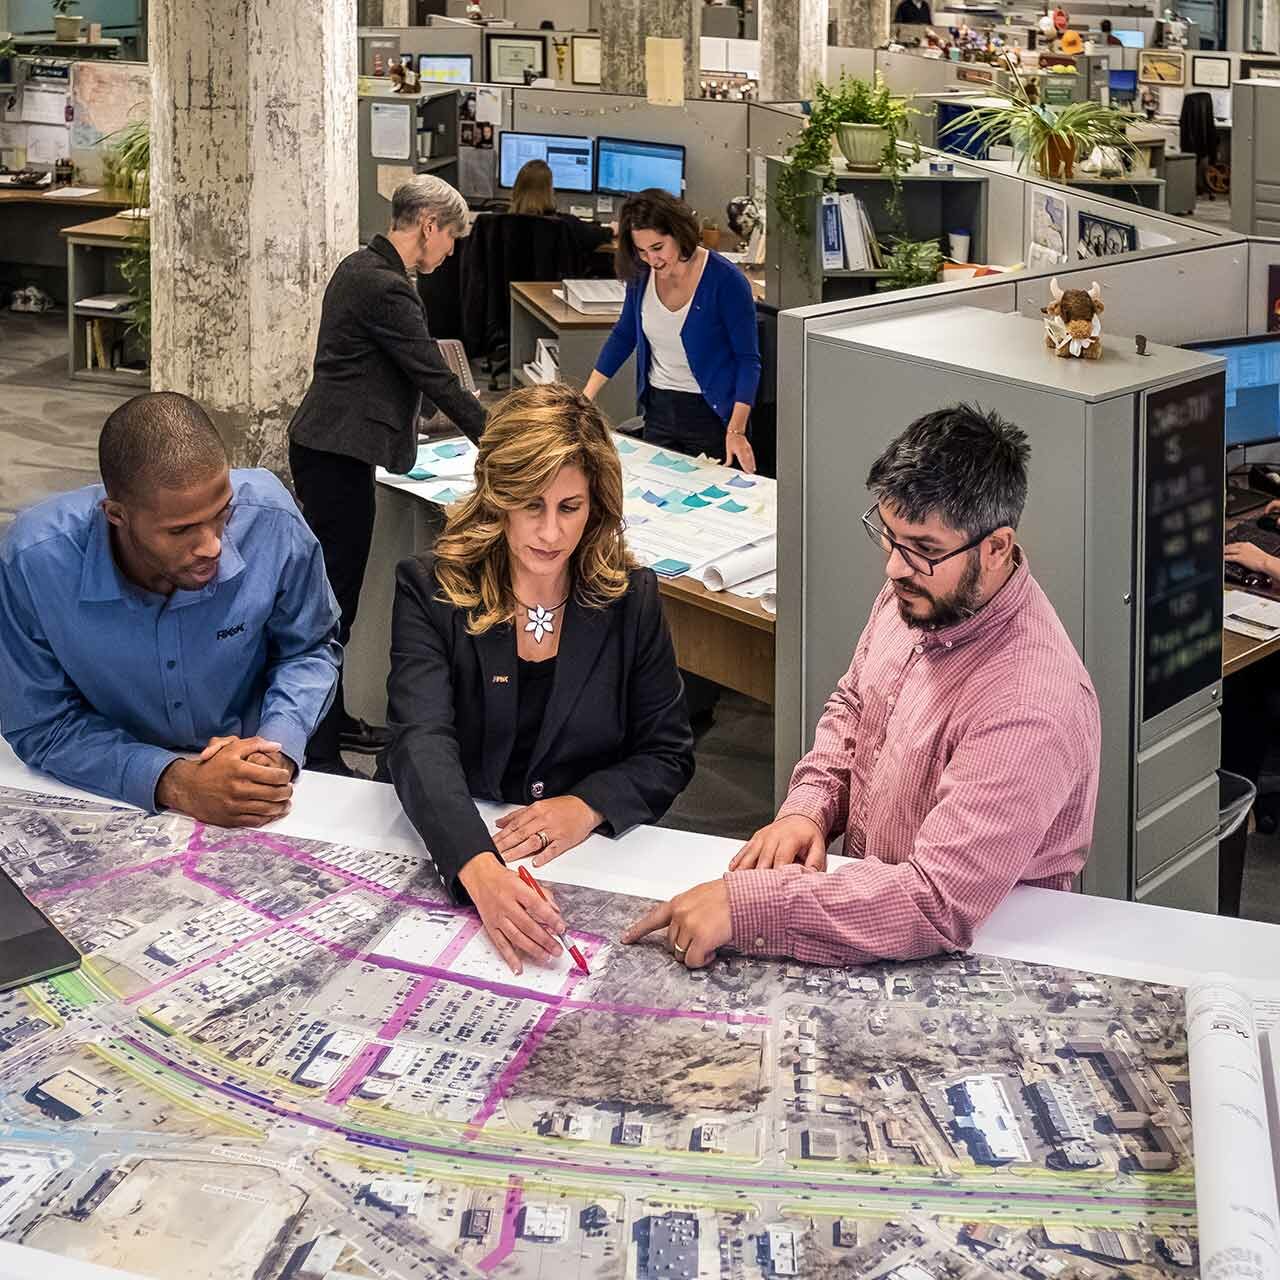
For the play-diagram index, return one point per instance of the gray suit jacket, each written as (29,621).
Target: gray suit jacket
(375,361)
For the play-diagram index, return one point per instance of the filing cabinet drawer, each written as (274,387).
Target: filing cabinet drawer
(1176,825)
(1179,761)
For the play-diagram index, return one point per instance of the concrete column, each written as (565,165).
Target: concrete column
(624,24)
(793,48)
(860,24)
(253,203)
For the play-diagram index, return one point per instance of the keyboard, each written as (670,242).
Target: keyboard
(1264,539)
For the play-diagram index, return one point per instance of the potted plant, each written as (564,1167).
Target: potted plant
(870,122)
(807,168)
(130,158)
(912,263)
(66,28)
(710,232)
(1053,138)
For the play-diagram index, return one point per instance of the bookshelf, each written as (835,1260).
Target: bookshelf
(94,253)
(932,205)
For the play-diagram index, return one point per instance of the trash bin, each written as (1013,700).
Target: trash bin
(1235,798)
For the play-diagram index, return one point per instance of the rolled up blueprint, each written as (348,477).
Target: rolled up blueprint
(738,566)
(1233,1130)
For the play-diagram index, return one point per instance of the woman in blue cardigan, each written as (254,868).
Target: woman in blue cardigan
(691,319)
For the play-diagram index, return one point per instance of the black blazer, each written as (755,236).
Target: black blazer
(375,360)
(616,733)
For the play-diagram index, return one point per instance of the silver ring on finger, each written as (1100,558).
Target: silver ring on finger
(543,840)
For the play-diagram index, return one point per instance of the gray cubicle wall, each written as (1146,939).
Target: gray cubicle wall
(818,621)
(1255,157)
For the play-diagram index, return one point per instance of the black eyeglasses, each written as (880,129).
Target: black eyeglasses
(916,561)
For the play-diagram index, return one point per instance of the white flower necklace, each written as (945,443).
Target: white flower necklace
(542,621)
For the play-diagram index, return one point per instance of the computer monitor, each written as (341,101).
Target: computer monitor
(1253,386)
(570,158)
(624,165)
(1131,39)
(445,68)
(1123,82)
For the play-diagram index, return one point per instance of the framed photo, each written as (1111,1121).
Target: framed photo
(1211,73)
(585,52)
(1162,66)
(1101,238)
(1049,222)
(509,57)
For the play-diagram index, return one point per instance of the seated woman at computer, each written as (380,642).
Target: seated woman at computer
(531,663)
(1251,557)
(690,317)
(535,193)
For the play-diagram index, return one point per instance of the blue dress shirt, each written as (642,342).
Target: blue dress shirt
(104,684)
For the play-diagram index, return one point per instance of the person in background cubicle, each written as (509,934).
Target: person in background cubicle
(531,663)
(913,13)
(376,368)
(690,317)
(957,757)
(535,193)
(1108,38)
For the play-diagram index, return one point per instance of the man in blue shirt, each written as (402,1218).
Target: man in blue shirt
(178,610)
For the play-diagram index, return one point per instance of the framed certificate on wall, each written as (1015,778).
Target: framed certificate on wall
(509,57)
(586,59)
(1210,73)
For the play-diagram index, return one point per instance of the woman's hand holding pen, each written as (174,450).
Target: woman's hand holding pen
(518,920)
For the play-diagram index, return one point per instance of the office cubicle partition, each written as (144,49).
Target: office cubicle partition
(833,415)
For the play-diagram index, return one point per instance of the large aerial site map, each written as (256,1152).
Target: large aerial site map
(287,1058)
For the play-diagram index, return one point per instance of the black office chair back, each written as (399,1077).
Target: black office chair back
(504,247)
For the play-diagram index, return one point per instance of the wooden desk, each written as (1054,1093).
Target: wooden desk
(1239,652)
(537,313)
(94,252)
(32,224)
(723,637)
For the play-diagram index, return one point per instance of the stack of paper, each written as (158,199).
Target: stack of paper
(106,302)
(595,297)
(1250,615)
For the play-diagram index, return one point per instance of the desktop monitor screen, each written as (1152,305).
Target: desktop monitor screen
(448,68)
(624,166)
(1253,386)
(1123,81)
(569,157)
(1131,39)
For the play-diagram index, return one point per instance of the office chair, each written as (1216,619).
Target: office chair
(506,247)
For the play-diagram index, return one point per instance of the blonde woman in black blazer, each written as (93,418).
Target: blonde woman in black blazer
(531,663)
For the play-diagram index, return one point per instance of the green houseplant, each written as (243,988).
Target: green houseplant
(129,159)
(849,102)
(912,263)
(66,26)
(1052,138)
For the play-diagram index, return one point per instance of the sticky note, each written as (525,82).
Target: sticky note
(656,498)
(661,459)
(624,446)
(741,482)
(714,491)
(670,568)
(636,491)
(735,507)
(451,449)
(421,473)
(679,464)
(694,501)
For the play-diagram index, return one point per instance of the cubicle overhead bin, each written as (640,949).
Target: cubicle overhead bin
(1122,529)
(1255,157)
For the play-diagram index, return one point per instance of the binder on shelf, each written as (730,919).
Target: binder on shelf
(106,302)
(830,240)
(856,256)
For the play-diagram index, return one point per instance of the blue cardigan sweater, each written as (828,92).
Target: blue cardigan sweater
(719,337)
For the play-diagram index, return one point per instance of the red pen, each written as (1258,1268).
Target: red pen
(564,942)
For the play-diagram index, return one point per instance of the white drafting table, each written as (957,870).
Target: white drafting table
(1126,939)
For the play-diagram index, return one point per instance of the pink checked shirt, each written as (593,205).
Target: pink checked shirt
(958,763)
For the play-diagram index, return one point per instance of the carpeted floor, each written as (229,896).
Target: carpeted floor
(48,431)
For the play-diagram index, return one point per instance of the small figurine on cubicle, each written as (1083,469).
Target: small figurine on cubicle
(1071,322)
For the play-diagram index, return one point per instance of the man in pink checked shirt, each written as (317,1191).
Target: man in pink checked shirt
(957,757)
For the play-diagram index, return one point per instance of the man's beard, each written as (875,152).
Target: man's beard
(962,603)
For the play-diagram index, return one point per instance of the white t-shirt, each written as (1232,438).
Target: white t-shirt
(668,364)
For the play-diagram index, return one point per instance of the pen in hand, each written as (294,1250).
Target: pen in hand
(564,939)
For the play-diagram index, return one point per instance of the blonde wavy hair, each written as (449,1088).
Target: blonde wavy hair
(530,435)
